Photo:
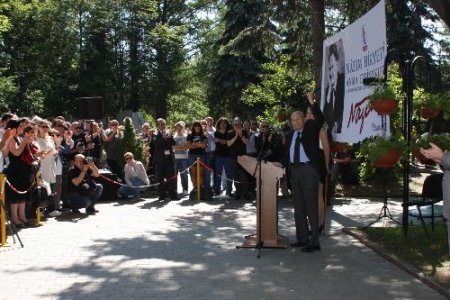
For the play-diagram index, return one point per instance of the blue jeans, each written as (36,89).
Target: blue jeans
(209,161)
(77,201)
(134,190)
(180,166)
(223,163)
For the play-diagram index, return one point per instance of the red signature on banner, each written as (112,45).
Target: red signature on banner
(358,113)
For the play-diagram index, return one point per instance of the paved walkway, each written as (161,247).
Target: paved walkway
(186,250)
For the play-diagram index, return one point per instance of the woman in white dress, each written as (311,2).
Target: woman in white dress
(48,162)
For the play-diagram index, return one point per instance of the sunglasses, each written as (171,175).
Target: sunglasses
(114,125)
(128,158)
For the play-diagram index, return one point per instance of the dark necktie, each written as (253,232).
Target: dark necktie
(332,97)
(297,148)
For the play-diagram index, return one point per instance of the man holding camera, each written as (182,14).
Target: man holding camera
(83,192)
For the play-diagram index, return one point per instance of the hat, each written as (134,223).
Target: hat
(12,124)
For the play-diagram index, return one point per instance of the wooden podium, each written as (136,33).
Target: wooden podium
(266,206)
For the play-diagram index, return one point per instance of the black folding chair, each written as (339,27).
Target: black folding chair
(431,194)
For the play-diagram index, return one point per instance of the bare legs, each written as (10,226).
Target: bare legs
(18,213)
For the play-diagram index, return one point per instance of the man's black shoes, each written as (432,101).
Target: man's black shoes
(311,248)
(91,210)
(299,244)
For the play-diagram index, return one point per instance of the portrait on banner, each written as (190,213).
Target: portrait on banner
(333,104)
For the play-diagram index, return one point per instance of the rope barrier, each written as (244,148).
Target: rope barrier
(146,186)
(220,176)
(16,190)
(3,212)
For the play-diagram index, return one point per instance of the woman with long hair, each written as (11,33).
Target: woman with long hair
(196,143)
(223,160)
(48,161)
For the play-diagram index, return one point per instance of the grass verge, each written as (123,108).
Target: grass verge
(429,256)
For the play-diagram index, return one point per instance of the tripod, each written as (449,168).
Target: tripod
(385,212)
(8,220)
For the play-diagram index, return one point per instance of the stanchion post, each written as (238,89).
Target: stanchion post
(38,209)
(3,213)
(198,179)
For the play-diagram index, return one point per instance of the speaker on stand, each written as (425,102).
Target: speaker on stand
(90,108)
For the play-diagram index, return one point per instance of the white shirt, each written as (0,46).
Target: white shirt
(135,169)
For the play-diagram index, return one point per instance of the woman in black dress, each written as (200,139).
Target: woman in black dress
(20,171)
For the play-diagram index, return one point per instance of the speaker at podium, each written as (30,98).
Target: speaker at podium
(90,108)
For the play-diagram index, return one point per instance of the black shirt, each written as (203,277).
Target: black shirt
(74,172)
(196,138)
(238,147)
(222,150)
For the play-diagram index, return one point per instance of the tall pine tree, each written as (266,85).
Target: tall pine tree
(247,42)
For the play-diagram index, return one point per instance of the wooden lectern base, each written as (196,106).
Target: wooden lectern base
(252,242)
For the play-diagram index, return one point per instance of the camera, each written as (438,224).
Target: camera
(87,160)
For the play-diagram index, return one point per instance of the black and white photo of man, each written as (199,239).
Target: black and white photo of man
(333,97)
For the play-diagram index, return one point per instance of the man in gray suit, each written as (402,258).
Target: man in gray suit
(303,161)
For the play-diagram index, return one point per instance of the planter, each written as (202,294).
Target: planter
(338,147)
(389,159)
(282,116)
(421,158)
(427,113)
(384,106)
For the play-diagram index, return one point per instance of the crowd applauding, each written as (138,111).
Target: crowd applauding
(67,158)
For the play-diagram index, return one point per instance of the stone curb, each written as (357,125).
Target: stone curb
(429,281)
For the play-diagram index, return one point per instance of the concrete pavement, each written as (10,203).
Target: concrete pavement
(154,249)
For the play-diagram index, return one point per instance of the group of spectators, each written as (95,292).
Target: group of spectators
(68,154)
(217,145)
(37,154)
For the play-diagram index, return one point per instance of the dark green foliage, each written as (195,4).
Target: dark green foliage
(246,43)
(132,143)
(158,56)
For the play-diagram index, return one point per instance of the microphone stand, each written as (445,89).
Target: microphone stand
(259,242)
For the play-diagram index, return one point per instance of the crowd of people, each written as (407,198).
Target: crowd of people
(68,156)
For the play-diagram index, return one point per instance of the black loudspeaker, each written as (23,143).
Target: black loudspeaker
(90,108)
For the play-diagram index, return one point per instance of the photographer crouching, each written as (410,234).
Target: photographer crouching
(83,191)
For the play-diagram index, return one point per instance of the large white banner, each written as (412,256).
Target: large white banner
(355,53)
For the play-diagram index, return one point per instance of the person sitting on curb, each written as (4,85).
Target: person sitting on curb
(135,178)
(83,192)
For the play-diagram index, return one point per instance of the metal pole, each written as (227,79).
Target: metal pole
(198,179)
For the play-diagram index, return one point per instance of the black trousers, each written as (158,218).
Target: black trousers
(165,176)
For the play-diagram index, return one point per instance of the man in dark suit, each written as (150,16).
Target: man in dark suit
(163,161)
(333,108)
(302,157)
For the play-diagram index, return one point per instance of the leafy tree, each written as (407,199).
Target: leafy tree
(278,90)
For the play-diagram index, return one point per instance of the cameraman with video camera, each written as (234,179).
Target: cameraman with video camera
(83,191)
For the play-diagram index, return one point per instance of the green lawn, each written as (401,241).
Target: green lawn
(431,256)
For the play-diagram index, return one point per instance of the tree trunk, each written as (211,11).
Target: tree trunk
(318,34)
